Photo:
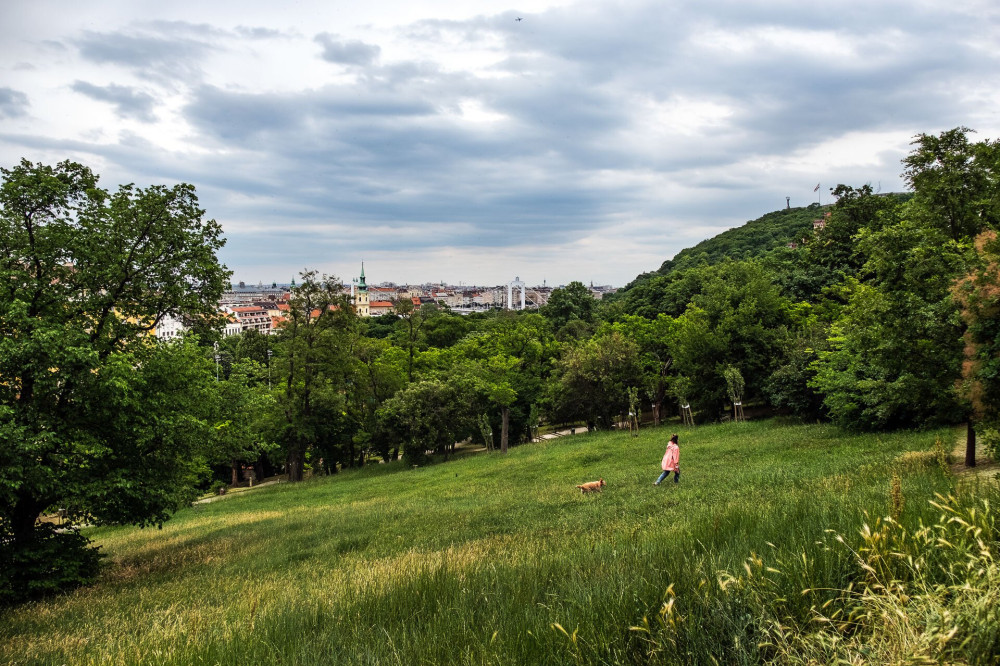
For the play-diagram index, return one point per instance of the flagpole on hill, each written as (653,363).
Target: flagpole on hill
(819,197)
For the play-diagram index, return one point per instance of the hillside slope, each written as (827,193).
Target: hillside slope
(486,560)
(753,239)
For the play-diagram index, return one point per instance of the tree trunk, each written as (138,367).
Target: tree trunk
(505,423)
(236,475)
(23,518)
(294,463)
(409,366)
(970,445)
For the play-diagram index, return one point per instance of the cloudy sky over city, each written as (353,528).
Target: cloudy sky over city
(478,141)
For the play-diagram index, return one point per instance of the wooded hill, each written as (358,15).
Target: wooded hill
(753,239)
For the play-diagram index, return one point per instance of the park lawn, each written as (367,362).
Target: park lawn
(488,559)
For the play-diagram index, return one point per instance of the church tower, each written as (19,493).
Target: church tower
(361,300)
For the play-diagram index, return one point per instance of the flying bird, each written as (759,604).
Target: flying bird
(519,19)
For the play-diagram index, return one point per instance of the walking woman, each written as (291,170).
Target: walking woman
(671,462)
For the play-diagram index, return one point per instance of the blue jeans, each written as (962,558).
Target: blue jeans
(677,476)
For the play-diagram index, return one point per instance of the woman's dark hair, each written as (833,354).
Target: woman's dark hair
(673,438)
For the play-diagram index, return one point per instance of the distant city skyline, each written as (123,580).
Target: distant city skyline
(384,284)
(437,139)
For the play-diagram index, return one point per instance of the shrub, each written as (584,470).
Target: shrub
(989,439)
(52,561)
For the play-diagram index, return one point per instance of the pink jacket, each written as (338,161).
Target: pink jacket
(672,458)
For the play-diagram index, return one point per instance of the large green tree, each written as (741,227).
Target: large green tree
(95,416)
(653,338)
(313,360)
(379,372)
(409,333)
(591,380)
(509,361)
(739,318)
(572,303)
(896,348)
(956,182)
(430,414)
(239,416)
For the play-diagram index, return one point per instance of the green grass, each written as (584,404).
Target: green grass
(488,559)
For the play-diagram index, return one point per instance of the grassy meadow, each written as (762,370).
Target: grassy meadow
(500,560)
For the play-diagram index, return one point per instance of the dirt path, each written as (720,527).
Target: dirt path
(236,491)
(985,466)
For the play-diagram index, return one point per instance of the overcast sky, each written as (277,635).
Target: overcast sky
(439,140)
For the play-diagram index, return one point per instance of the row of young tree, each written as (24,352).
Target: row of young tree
(885,318)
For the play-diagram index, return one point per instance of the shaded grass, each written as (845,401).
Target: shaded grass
(488,559)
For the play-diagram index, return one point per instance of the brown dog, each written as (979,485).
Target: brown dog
(591,486)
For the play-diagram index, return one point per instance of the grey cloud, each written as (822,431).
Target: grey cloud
(393,159)
(226,115)
(412,178)
(150,55)
(349,52)
(13,103)
(789,91)
(128,102)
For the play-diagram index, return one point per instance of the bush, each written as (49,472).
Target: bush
(414,453)
(989,439)
(53,561)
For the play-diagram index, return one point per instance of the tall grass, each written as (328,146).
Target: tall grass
(500,560)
